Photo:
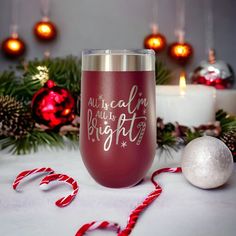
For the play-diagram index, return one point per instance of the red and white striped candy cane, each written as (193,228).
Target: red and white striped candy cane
(134,216)
(62,202)
(141,125)
(98,225)
(26,173)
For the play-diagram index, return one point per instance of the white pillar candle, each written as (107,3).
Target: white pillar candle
(193,106)
(226,100)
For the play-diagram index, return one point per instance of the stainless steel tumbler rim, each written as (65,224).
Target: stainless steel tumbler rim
(117,51)
(118,60)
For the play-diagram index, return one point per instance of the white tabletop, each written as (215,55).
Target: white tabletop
(181,209)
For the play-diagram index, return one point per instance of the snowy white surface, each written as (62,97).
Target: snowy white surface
(181,209)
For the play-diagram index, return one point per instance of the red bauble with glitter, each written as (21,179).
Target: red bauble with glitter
(214,73)
(53,106)
(219,75)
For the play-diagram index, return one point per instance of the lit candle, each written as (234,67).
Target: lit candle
(182,84)
(189,105)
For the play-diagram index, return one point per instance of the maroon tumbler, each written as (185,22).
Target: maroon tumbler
(118,121)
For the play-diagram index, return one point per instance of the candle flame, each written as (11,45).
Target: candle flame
(182,83)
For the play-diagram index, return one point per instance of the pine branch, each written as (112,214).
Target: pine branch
(191,135)
(172,136)
(165,138)
(36,139)
(167,141)
(65,72)
(163,74)
(8,83)
(227,122)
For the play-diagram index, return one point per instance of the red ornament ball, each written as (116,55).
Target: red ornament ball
(214,73)
(157,42)
(13,47)
(53,106)
(180,52)
(218,74)
(45,30)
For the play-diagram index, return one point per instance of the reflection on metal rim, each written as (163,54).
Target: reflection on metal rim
(118,60)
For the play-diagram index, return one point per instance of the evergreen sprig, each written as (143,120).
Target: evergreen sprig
(227,121)
(8,83)
(66,72)
(163,74)
(173,136)
(36,139)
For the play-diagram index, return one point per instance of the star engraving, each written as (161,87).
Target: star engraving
(140,94)
(124,144)
(93,140)
(100,97)
(144,111)
(105,122)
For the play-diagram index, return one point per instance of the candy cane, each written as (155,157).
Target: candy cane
(141,125)
(25,173)
(62,202)
(98,225)
(134,216)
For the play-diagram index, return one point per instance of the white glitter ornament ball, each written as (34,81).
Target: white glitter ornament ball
(207,162)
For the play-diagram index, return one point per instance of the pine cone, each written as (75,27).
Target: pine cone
(229,139)
(15,120)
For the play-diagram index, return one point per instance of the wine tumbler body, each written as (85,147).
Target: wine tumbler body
(118,121)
